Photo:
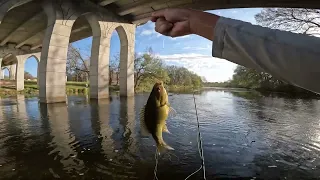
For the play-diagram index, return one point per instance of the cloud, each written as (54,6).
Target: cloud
(208,47)
(146,32)
(234,11)
(213,69)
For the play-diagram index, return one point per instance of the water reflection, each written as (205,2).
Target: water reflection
(244,135)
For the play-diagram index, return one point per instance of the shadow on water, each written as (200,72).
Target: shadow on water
(244,134)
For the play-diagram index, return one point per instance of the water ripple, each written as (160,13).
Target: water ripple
(243,136)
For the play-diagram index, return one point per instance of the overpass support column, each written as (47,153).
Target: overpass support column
(127,41)
(52,68)
(20,72)
(1,71)
(12,73)
(99,63)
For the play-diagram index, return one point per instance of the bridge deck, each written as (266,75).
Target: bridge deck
(23,27)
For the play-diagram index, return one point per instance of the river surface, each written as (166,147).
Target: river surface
(244,134)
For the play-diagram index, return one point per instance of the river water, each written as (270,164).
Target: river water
(244,134)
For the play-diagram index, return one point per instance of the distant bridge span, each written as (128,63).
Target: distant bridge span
(44,29)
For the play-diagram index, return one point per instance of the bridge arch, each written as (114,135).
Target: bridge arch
(60,32)
(10,60)
(29,58)
(4,71)
(126,74)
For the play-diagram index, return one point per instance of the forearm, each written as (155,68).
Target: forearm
(203,24)
(292,57)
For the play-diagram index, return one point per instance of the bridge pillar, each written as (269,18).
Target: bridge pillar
(12,71)
(1,73)
(1,70)
(127,42)
(20,72)
(52,67)
(99,62)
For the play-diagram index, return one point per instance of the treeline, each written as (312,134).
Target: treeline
(252,79)
(217,84)
(148,68)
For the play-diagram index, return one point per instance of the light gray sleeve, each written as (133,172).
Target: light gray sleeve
(292,57)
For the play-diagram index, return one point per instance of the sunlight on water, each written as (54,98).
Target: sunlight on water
(244,133)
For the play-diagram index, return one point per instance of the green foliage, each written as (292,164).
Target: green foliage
(81,84)
(249,78)
(180,76)
(26,82)
(149,68)
(217,84)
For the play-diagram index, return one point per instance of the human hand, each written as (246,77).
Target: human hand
(172,22)
(180,22)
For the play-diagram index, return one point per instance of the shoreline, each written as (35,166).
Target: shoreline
(268,92)
(76,88)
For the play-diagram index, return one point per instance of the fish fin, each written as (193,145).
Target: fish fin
(162,148)
(165,129)
(172,111)
(143,128)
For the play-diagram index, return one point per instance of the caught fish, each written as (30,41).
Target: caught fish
(154,114)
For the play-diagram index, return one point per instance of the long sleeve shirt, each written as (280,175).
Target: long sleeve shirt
(286,55)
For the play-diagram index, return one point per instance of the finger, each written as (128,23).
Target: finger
(158,14)
(179,29)
(163,26)
(153,19)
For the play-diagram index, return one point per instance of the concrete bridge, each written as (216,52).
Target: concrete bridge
(44,29)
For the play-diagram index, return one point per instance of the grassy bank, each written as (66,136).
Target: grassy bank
(173,89)
(31,89)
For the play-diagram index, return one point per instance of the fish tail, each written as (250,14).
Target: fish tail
(163,147)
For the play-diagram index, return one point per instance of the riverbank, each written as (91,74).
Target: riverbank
(31,89)
(289,91)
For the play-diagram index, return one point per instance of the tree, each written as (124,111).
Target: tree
(27,75)
(114,69)
(296,20)
(148,68)
(183,77)
(203,79)
(77,64)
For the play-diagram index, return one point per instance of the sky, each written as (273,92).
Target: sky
(191,51)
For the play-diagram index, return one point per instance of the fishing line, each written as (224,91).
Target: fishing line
(200,149)
(156,166)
